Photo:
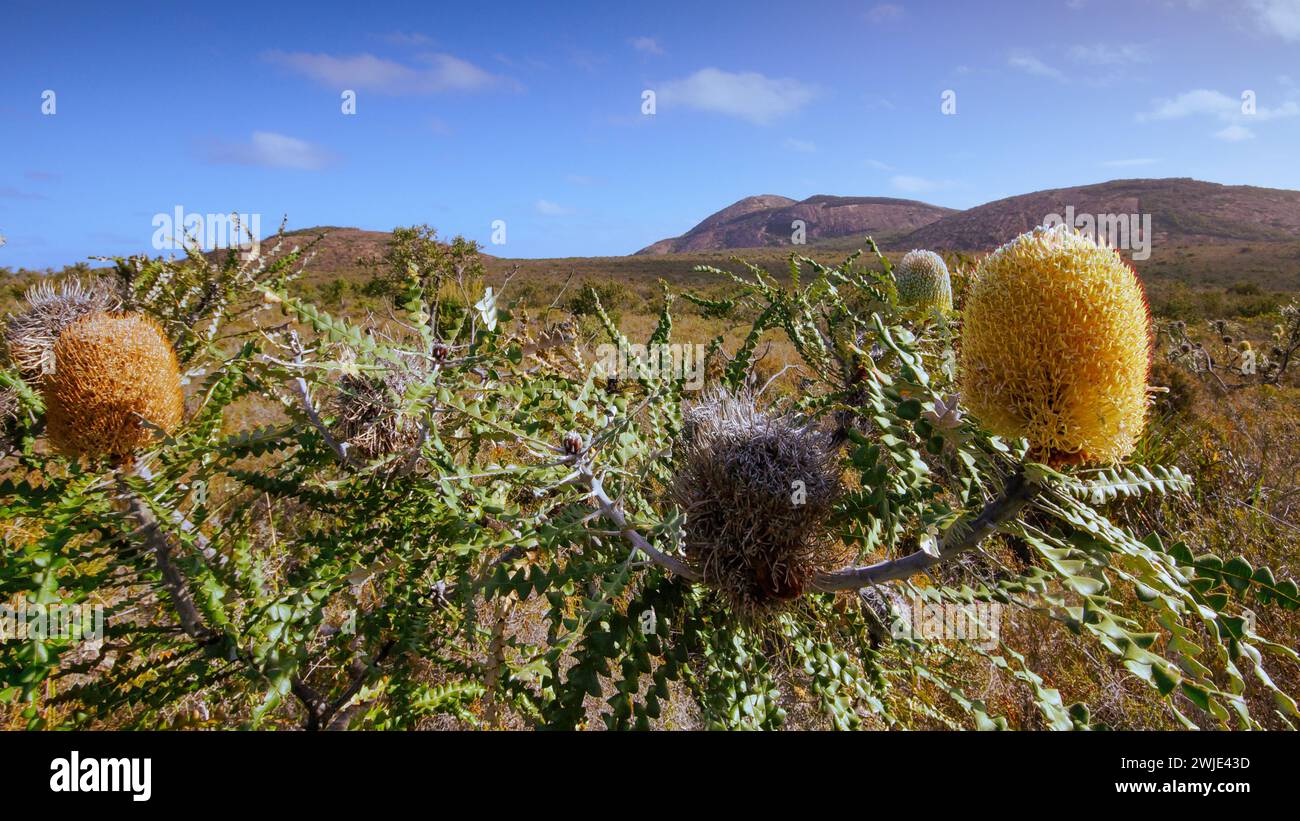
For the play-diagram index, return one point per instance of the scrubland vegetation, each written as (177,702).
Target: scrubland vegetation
(393,502)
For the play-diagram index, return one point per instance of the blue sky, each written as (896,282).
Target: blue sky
(529,113)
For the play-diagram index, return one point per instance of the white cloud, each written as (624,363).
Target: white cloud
(1102,54)
(648,45)
(879,166)
(1287,109)
(747,95)
(1030,64)
(1279,17)
(1235,134)
(885,13)
(919,185)
(270,150)
(1189,103)
(802,146)
(551,209)
(1129,163)
(435,72)
(1204,101)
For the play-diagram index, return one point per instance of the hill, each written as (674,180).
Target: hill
(1183,212)
(767,221)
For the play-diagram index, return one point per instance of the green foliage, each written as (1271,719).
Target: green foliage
(264,576)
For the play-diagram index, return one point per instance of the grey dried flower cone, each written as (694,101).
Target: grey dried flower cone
(30,335)
(369,416)
(757,491)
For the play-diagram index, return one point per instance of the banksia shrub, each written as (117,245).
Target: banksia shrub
(1056,347)
(369,417)
(923,281)
(111,371)
(30,335)
(756,490)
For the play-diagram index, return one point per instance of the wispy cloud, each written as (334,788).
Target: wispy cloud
(802,146)
(647,45)
(1190,103)
(885,13)
(1104,54)
(1095,63)
(1278,17)
(879,166)
(1028,63)
(1234,134)
(588,61)
(551,209)
(1203,102)
(406,38)
(270,150)
(11,193)
(909,184)
(1129,163)
(431,74)
(747,95)
(42,176)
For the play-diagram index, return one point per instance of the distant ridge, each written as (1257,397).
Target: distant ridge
(767,220)
(1183,211)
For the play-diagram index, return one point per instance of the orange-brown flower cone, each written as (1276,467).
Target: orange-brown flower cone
(111,371)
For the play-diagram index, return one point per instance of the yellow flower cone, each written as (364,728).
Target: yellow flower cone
(1056,346)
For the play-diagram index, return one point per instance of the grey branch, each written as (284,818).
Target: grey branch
(614,513)
(1017,493)
(309,406)
(153,536)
